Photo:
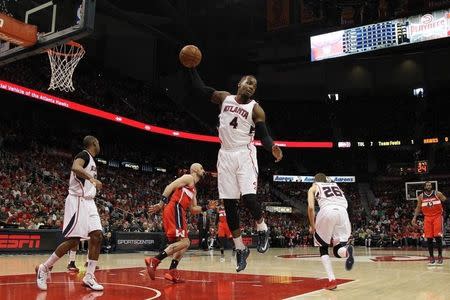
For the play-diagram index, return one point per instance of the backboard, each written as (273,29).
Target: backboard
(57,21)
(413,189)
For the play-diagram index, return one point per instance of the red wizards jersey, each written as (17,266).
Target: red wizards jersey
(431,205)
(183,196)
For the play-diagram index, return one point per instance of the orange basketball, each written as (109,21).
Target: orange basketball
(190,56)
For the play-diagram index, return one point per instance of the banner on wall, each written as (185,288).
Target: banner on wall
(310,179)
(24,241)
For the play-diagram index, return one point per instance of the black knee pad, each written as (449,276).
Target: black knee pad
(323,250)
(253,206)
(232,213)
(438,240)
(336,248)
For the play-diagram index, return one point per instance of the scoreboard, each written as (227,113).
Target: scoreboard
(421,167)
(377,36)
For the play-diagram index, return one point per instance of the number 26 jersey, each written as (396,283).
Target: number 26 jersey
(236,126)
(330,194)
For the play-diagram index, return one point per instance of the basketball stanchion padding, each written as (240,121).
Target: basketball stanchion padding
(64,59)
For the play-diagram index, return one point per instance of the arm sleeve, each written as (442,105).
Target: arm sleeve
(84,156)
(263,134)
(199,86)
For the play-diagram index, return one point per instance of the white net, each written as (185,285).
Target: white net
(63,61)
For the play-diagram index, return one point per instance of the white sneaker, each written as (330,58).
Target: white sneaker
(90,281)
(41,277)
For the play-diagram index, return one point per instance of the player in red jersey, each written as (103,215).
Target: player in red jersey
(430,202)
(223,231)
(182,195)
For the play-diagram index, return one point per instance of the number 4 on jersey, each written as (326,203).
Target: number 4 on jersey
(234,123)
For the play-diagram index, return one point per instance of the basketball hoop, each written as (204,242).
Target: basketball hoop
(63,61)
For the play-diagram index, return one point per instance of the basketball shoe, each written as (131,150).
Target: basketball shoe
(152,263)
(331,285)
(350,259)
(174,276)
(41,277)
(263,241)
(72,268)
(90,281)
(241,259)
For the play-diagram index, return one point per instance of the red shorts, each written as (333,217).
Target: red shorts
(174,222)
(433,226)
(224,231)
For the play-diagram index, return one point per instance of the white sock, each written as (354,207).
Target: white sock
(91,267)
(342,252)
(72,255)
(51,260)
(261,226)
(327,265)
(238,243)
(87,257)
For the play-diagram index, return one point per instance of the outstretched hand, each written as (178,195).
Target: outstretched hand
(277,153)
(154,208)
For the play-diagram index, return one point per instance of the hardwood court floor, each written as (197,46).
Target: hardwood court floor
(279,274)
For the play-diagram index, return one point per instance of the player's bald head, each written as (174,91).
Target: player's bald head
(320,177)
(89,140)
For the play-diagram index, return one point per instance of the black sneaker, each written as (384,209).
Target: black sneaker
(350,259)
(263,241)
(71,267)
(241,259)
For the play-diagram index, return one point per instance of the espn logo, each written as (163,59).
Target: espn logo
(19,241)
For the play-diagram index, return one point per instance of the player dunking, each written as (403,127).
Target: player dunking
(81,218)
(237,167)
(182,194)
(223,231)
(430,203)
(332,224)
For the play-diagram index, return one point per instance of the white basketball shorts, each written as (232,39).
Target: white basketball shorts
(237,172)
(332,223)
(80,217)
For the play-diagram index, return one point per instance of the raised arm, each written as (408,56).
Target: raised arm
(204,91)
(259,118)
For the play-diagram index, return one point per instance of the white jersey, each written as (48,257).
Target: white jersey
(236,127)
(330,194)
(82,187)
